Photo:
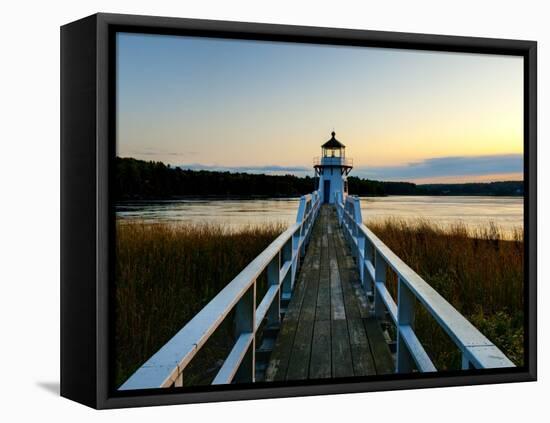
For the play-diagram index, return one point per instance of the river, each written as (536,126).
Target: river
(474,211)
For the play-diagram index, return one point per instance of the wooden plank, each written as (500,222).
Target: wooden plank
(298,364)
(362,359)
(285,338)
(309,304)
(295,304)
(341,351)
(355,298)
(320,366)
(323,297)
(338,311)
(350,300)
(278,363)
(361,297)
(383,360)
(340,344)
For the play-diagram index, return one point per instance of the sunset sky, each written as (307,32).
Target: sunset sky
(267,107)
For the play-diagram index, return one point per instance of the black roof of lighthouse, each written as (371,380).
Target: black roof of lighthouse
(333,143)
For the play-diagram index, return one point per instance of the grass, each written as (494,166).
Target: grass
(165,273)
(479,271)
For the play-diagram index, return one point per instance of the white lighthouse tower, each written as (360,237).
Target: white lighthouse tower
(332,169)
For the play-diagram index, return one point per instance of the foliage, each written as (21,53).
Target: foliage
(138,179)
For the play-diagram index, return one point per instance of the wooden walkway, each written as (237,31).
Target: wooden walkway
(327,330)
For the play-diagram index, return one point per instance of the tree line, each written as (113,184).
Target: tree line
(138,179)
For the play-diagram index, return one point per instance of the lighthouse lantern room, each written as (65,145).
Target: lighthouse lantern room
(332,170)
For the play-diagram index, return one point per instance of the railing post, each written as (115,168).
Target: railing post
(360,239)
(273,273)
(301,209)
(353,226)
(311,218)
(466,365)
(346,221)
(368,282)
(295,255)
(379,276)
(296,252)
(405,317)
(305,226)
(314,209)
(287,282)
(245,314)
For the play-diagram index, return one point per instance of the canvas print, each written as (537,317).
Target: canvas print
(292,213)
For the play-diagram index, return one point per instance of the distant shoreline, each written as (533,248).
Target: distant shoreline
(283,197)
(141,180)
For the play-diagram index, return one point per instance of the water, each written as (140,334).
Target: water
(506,212)
(229,212)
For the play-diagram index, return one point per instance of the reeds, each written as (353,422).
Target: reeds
(165,273)
(479,271)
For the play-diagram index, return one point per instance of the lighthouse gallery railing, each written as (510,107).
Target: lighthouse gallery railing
(333,161)
(281,259)
(373,259)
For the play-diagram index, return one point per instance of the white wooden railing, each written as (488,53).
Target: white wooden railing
(373,258)
(281,259)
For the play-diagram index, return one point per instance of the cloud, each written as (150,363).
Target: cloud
(269,169)
(156,152)
(453,166)
(447,169)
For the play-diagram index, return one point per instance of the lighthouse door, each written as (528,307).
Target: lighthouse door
(326,192)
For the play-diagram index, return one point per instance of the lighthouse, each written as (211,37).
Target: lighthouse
(332,169)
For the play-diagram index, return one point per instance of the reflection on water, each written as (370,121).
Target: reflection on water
(234,213)
(507,212)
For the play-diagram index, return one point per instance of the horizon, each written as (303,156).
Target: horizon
(282,173)
(404,115)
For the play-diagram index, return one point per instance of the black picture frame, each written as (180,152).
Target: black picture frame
(87,150)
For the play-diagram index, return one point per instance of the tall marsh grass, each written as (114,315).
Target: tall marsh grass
(165,273)
(479,271)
